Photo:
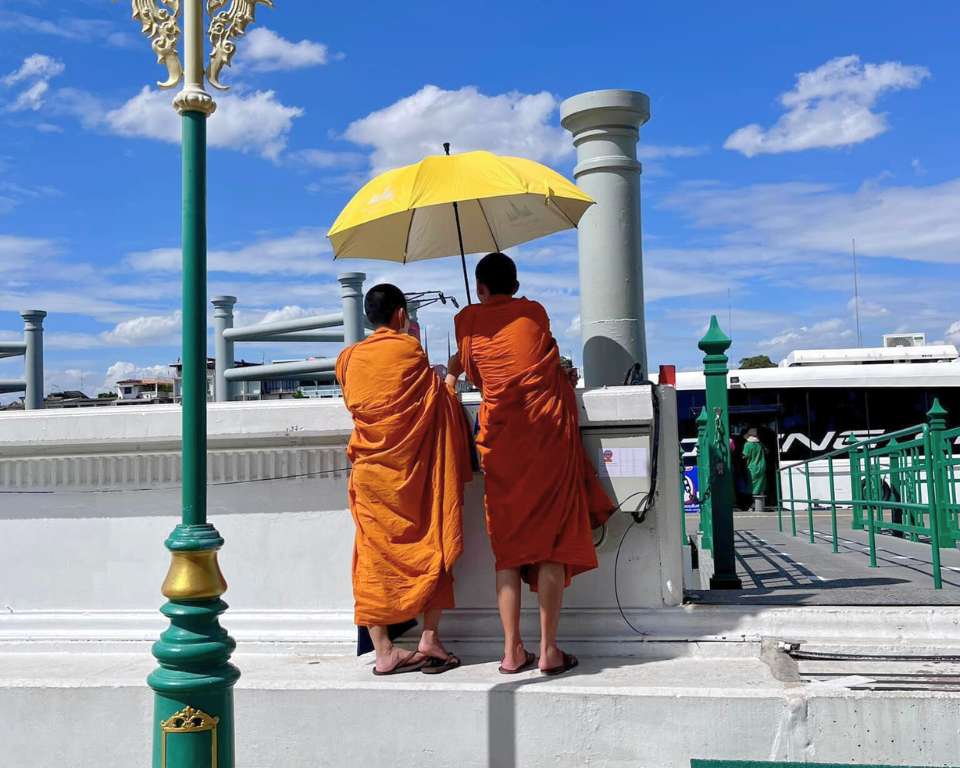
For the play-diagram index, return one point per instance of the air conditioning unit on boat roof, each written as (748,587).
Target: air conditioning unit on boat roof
(904,339)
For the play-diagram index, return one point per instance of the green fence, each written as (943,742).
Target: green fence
(905,482)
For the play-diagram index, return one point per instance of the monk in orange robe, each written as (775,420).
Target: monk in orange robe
(542,493)
(410,457)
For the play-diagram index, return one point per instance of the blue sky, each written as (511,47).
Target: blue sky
(778,133)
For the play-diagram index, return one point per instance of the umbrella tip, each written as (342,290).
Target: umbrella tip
(446,147)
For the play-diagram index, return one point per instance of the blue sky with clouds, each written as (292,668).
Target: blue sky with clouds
(778,133)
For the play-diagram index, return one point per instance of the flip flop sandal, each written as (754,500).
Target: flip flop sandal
(528,663)
(569,662)
(436,666)
(403,667)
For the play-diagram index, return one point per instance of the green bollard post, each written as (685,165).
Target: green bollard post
(806,474)
(937,422)
(715,343)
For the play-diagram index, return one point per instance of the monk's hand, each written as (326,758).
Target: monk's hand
(454,367)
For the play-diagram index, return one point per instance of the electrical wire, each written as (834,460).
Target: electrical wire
(634,378)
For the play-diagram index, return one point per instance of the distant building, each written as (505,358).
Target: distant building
(285,388)
(144,391)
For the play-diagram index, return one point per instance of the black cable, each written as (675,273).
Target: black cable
(634,378)
(616,589)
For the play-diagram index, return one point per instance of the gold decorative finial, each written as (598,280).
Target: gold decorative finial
(160,26)
(224,28)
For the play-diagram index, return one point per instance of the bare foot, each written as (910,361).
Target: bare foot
(395,658)
(514,657)
(550,657)
(430,645)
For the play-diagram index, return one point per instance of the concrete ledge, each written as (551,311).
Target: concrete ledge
(294,711)
(733,631)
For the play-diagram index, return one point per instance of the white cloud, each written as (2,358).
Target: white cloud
(289,312)
(321,158)
(35,67)
(305,252)
(252,122)
(796,221)
(830,106)
(511,123)
(952,334)
(146,330)
(265,50)
(39,70)
(826,333)
(31,99)
(867,309)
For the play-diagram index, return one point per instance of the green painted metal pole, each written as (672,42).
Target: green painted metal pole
(871,518)
(715,343)
(779,499)
(937,420)
(930,448)
(793,504)
(806,474)
(193,714)
(833,505)
(194,318)
(856,508)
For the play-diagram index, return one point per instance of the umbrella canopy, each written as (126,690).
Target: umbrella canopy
(455,204)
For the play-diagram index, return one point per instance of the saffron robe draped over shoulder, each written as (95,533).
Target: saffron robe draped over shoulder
(542,492)
(410,457)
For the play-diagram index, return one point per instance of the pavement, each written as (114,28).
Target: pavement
(777,568)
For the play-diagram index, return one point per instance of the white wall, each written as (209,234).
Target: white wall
(89,496)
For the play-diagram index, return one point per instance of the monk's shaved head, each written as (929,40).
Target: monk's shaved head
(498,273)
(381,302)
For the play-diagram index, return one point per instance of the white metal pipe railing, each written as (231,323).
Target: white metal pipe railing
(350,324)
(280,370)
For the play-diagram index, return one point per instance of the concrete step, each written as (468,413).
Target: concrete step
(300,711)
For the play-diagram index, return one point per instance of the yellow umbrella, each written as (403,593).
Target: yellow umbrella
(450,204)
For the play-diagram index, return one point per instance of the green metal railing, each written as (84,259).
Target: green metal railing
(907,482)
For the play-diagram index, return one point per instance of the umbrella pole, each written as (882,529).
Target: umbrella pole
(463,258)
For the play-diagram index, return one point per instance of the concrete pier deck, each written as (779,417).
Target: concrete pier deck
(777,568)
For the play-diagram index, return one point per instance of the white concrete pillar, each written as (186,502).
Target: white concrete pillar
(606,127)
(222,320)
(351,291)
(33,338)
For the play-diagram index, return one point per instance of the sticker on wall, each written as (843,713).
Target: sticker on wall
(623,462)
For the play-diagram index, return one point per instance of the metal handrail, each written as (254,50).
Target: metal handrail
(917,475)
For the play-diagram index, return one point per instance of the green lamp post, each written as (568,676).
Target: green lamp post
(193,712)
(715,343)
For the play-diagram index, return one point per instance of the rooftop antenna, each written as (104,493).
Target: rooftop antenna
(856,291)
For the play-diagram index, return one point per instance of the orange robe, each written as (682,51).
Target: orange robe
(542,493)
(410,457)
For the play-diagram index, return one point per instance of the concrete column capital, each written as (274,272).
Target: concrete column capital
(33,318)
(223,305)
(606,127)
(351,283)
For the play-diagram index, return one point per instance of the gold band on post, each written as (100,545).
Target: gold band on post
(194,576)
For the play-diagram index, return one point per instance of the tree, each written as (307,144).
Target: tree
(107,396)
(757,361)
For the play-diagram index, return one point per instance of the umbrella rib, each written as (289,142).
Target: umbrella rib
(562,212)
(489,228)
(406,243)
